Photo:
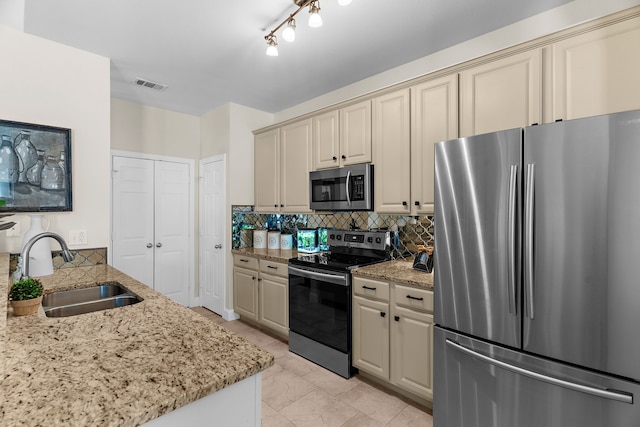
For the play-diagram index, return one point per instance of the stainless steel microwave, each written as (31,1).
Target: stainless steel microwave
(342,189)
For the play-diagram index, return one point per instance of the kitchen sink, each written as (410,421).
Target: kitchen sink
(87,300)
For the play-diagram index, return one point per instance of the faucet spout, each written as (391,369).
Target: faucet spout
(66,253)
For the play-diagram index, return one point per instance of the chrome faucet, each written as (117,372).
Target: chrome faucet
(66,253)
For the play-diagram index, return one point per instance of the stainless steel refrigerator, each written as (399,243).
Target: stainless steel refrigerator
(537,276)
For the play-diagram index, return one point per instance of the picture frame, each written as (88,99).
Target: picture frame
(35,168)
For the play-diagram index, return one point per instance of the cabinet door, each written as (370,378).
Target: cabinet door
(274,303)
(326,143)
(597,72)
(295,158)
(434,118)
(355,134)
(371,336)
(412,350)
(245,293)
(267,171)
(502,94)
(392,152)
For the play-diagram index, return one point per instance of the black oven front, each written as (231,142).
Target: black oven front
(320,316)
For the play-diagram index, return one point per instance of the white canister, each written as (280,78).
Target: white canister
(260,239)
(286,242)
(274,240)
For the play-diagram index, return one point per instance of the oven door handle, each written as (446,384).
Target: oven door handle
(334,278)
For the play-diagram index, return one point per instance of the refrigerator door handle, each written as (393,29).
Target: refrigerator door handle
(512,239)
(528,238)
(606,394)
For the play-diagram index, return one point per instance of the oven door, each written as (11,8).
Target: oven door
(319,306)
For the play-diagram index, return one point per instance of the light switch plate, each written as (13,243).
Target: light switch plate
(78,237)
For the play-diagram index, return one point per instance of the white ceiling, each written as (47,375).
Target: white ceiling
(210,52)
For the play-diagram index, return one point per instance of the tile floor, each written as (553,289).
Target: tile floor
(296,392)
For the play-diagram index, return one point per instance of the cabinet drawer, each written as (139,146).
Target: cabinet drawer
(245,262)
(371,288)
(419,299)
(274,268)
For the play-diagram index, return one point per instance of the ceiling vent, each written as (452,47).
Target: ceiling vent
(149,84)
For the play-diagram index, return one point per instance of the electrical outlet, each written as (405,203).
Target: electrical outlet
(78,237)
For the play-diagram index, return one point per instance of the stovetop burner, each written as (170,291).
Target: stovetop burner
(348,250)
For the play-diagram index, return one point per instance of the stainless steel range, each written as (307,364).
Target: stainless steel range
(320,296)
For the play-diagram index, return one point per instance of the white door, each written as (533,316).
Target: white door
(132,217)
(151,224)
(212,259)
(172,256)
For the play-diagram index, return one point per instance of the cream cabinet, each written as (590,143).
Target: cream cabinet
(282,159)
(245,287)
(597,72)
(392,152)
(267,171)
(261,292)
(501,94)
(393,334)
(434,118)
(273,290)
(342,137)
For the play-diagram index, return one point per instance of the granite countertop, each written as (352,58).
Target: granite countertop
(119,367)
(397,271)
(279,255)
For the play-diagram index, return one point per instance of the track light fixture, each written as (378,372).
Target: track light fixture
(289,33)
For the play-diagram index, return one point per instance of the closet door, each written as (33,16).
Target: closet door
(172,263)
(132,217)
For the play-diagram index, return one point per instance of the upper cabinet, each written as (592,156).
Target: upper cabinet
(434,118)
(597,72)
(502,94)
(282,165)
(392,152)
(342,137)
(267,171)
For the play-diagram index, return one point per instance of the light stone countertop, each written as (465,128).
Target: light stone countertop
(119,367)
(278,255)
(397,271)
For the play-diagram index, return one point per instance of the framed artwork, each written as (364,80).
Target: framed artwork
(35,168)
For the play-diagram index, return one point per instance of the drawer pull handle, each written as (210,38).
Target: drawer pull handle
(367,287)
(415,298)
(244,260)
(271,266)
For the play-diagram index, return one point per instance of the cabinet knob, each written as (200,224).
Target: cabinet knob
(335,158)
(344,157)
(417,203)
(149,245)
(158,245)
(275,206)
(396,318)
(382,314)
(404,203)
(282,206)
(253,278)
(218,246)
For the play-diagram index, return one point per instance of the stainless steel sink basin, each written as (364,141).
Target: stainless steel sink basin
(87,300)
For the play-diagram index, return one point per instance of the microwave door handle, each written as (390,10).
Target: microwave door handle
(347,187)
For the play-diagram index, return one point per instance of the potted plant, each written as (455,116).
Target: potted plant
(25,296)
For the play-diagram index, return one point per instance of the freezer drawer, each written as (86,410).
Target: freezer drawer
(477,384)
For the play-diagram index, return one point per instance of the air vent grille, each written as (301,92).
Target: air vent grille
(149,84)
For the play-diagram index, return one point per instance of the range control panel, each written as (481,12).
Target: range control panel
(378,240)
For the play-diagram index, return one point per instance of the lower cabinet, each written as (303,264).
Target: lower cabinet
(261,292)
(393,334)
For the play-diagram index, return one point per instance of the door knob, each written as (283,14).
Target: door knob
(158,245)
(149,245)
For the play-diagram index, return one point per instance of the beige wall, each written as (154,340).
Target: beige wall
(150,130)
(48,83)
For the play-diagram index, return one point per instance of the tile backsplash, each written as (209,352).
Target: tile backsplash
(411,231)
